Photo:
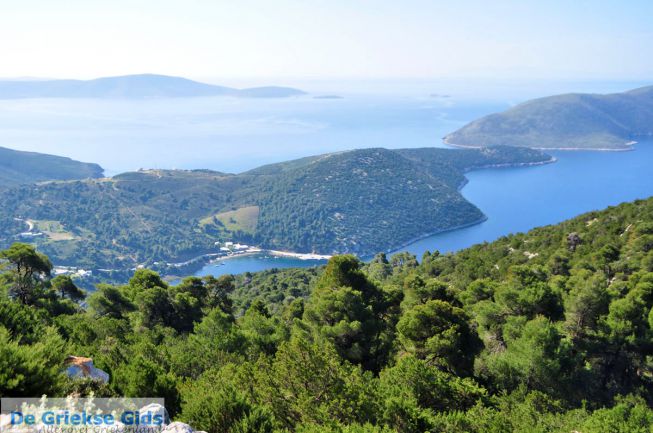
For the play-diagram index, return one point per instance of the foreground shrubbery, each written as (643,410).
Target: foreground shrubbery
(549,331)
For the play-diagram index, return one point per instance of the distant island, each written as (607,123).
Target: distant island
(18,168)
(571,121)
(360,201)
(133,86)
(328,97)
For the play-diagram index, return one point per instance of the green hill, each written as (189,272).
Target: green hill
(572,121)
(362,202)
(18,168)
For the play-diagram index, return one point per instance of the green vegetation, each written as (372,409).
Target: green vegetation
(18,168)
(243,219)
(583,121)
(547,331)
(361,202)
(53,230)
(275,287)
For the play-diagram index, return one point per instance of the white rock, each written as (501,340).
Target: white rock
(178,427)
(79,367)
(155,409)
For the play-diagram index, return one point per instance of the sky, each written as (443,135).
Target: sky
(218,40)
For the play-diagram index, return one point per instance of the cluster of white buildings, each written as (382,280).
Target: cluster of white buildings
(72,271)
(231,247)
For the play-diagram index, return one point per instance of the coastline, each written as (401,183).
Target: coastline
(199,262)
(437,232)
(630,144)
(277,253)
(484,218)
(300,256)
(512,164)
(311,256)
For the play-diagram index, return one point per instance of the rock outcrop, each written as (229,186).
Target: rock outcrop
(82,368)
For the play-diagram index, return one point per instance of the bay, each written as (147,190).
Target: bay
(254,263)
(519,199)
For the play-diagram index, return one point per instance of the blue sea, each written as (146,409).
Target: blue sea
(227,134)
(519,199)
(234,135)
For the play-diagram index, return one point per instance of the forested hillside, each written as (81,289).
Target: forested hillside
(548,331)
(362,202)
(17,168)
(571,121)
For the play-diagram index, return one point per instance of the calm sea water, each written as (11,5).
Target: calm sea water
(254,263)
(519,199)
(227,134)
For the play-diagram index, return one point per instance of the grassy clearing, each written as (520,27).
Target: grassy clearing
(243,219)
(54,230)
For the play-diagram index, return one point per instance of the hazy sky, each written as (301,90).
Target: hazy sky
(553,39)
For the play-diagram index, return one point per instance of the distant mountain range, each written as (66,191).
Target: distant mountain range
(17,168)
(133,86)
(360,201)
(571,121)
